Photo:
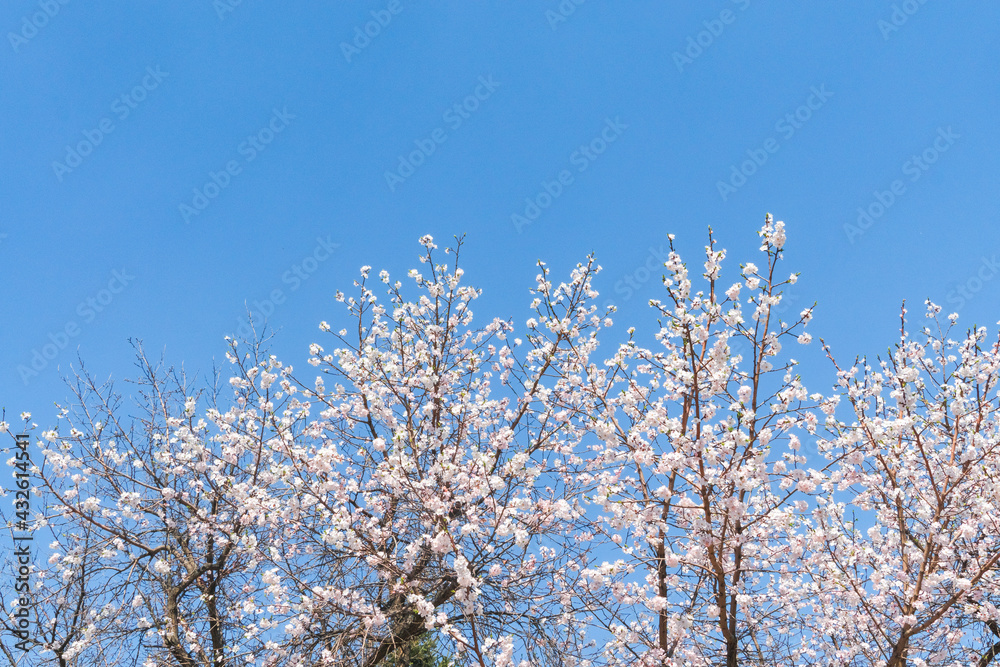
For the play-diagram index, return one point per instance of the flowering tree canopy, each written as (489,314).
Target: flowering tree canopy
(447,492)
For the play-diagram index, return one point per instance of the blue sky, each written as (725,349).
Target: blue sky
(164,164)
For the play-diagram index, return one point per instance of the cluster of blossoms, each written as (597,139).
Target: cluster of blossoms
(502,495)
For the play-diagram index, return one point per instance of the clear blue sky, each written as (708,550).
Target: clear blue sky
(113,117)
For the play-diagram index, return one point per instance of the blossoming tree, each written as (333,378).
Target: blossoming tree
(304,524)
(455,493)
(697,475)
(422,499)
(907,541)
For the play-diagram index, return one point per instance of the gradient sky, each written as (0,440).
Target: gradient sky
(286,117)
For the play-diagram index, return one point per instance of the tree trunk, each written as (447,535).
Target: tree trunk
(898,657)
